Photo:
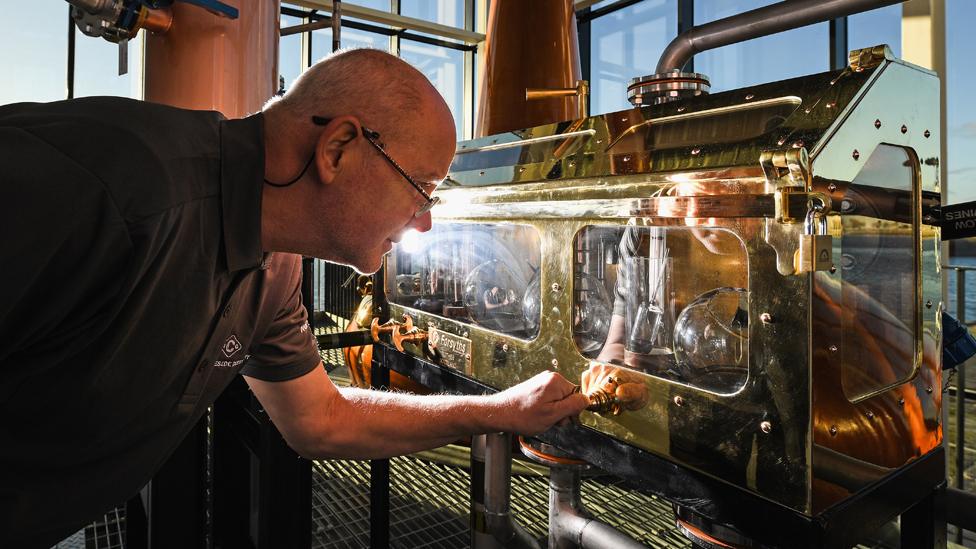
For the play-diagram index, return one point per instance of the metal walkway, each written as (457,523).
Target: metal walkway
(429,505)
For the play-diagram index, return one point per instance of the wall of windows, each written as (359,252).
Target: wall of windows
(442,60)
(97,67)
(624,44)
(767,59)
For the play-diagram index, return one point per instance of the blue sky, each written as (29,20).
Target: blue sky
(33,43)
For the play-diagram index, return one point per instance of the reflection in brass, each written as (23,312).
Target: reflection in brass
(730,216)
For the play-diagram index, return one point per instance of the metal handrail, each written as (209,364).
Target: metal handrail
(962,393)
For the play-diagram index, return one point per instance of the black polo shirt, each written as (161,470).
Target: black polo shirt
(133,289)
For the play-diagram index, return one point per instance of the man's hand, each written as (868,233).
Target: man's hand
(625,386)
(537,404)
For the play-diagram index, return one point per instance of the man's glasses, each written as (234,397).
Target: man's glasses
(373,138)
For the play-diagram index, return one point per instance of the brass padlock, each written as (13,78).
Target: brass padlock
(816,251)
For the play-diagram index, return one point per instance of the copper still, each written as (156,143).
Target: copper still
(550,60)
(210,62)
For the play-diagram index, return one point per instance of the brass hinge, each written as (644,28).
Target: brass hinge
(789,168)
(868,58)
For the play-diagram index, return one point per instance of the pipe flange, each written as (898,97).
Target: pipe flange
(662,87)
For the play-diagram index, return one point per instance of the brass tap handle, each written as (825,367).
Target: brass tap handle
(612,389)
(375,328)
(603,402)
(582,91)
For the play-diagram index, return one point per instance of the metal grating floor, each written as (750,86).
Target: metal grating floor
(108,533)
(429,506)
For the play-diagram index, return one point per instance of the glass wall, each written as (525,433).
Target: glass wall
(442,64)
(960,111)
(445,12)
(626,44)
(33,51)
(444,67)
(880,26)
(97,67)
(776,57)
(290,52)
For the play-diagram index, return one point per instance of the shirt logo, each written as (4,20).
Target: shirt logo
(231,346)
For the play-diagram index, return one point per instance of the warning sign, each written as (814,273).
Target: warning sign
(959,221)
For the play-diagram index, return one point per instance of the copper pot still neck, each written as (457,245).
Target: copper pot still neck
(528,45)
(210,62)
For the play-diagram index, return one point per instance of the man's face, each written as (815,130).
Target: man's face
(386,202)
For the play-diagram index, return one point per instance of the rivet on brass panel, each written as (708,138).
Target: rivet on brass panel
(556,287)
(832,348)
(695,151)
(678,401)
(766,427)
(766,318)
(928,304)
(750,97)
(555,363)
(833,430)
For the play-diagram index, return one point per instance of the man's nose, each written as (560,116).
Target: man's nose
(421,224)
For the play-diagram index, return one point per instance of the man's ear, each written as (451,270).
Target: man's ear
(334,145)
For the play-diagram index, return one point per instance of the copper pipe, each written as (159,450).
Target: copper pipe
(156,20)
(581,92)
(764,21)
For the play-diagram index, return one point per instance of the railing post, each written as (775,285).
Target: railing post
(960,394)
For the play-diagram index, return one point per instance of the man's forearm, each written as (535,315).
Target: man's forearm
(371,424)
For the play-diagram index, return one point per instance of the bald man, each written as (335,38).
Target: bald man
(150,257)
